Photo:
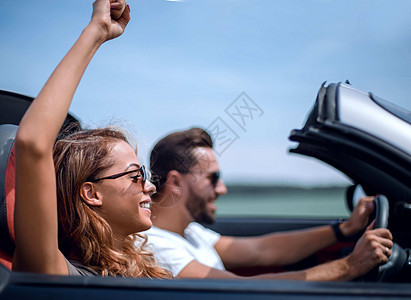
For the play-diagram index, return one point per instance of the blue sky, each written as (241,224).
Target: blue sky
(181,64)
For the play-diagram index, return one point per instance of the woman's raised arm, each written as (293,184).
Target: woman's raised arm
(36,226)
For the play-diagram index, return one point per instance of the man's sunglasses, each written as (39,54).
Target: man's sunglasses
(141,173)
(215,177)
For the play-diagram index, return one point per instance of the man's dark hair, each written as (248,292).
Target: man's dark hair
(175,152)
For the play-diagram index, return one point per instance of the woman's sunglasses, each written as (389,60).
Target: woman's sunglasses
(141,173)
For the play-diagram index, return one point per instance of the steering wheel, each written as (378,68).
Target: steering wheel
(398,256)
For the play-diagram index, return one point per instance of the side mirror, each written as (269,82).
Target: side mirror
(353,195)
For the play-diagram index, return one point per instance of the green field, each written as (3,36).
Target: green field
(283,201)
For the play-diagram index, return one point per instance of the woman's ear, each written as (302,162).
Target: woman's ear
(89,194)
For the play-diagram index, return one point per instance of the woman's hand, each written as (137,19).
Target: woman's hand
(117,8)
(110,17)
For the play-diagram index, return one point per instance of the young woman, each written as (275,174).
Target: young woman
(91,188)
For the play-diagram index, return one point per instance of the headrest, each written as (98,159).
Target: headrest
(7,195)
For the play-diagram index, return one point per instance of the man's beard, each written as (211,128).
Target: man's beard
(204,218)
(197,206)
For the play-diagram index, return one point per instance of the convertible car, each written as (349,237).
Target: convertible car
(363,136)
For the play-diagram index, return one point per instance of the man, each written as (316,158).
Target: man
(188,184)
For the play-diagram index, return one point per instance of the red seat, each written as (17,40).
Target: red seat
(7,193)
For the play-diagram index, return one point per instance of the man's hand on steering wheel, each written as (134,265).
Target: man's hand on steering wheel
(359,217)
(371,250)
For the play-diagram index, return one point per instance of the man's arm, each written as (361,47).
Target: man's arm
(338,270)
(273,249)
(288,247)
(368,252)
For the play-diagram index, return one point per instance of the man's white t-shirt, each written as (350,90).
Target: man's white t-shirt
(174,252)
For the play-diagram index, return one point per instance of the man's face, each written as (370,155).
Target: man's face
(202,187)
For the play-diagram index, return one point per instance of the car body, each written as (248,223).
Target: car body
(365,137)
(368,139)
